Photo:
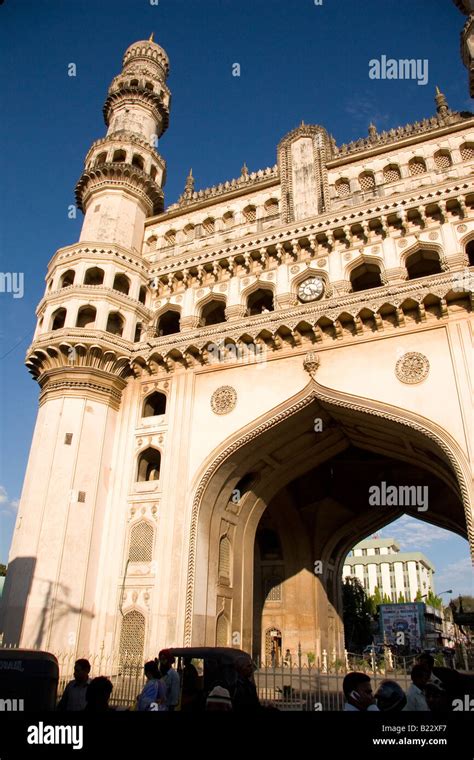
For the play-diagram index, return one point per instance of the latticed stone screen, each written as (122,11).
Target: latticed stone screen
(224,558)
(467,152)
(391,174)
(208,226)
(442,160)
(417,166)
(367,181)
(170,237)
(189,232)
(343,188)
(273,589)
(132,637)
(222,632)
(250,214)
(271,208)
(141,543)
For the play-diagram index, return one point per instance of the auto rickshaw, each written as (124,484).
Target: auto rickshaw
(28,680)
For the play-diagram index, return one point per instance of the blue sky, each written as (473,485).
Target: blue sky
(298,61)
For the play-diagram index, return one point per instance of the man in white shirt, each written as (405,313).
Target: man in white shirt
(358,693)
(416,700)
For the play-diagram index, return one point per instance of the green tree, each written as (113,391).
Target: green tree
(433,600)
(418,597)
(356,614)
(3,569)
(401,598)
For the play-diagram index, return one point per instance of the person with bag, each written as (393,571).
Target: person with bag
(153,695)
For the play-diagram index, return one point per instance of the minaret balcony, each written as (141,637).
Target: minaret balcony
(120,175)
(138,96)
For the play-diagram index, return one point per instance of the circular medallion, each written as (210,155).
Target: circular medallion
(375,249)
(224,399)
(412,367)
(321,262)
(402,243)
(347,256)
(462,228)
(294,270)
(433,236)
(310,289)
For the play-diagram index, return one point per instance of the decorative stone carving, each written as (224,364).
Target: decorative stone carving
(402,243)
(412,367)
(224,399)
(321,262)
(462,228)
(311,362)
(433,236)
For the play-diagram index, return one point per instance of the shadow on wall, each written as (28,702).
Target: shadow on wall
(15,595)
(13,603)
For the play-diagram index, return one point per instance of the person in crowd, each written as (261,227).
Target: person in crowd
(219,700)
(427,660)
(416,700)
(358,693)
(98,695)
(153,694)
(244,697)
(190,685)
(170,678)
(390,697)
(74,696)
(437,699)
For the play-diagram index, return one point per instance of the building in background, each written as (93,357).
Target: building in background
(412,626)
(378,562)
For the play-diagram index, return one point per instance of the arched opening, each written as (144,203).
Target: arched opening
(260,301)
(470,252)
(228,219)
(250,214)
(132,639)
(86,316)
(367,181)
(142,294)
(149,464)
(208,226)
(67,278)
(94,276)
(153,172)
(417,166)
(140,548)
(58,319)
(442,159)
(391,173)
(154,404)
(170,237)
(467,151)
(115,323)
(138,332)
(213,313)
(119,156)
(168,323)
(137,161)
(149,86)
(272,207)
(189,232)
(101,159)
(422,263)
(134,83)
(121,283)
(365,276)
(343,188)
(302,517)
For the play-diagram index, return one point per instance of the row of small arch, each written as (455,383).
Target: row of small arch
(420,263)
(95,276)
(271,209)
(120,156)
(392,173)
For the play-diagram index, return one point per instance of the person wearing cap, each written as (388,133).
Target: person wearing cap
(170,678)
(219,700)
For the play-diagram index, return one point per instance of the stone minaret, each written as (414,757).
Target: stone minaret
(92,312)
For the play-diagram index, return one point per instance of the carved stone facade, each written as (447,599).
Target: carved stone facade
(220,380)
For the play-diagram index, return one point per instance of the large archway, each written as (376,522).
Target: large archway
(304,472)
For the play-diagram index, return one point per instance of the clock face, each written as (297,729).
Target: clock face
(311,289)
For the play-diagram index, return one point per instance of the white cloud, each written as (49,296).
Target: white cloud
(457,576)
(411,533)
(9,506)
